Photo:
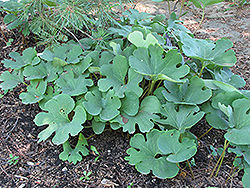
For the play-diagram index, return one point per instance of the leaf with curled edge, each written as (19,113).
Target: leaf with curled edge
(149,62)
(28,57)
(215,117)
(239,121)
(143,154)
(115,77)
(175,150)
(204,50)
(227,76)
(58,121)
(74,155)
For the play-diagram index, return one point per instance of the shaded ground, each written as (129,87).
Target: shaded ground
(39,165)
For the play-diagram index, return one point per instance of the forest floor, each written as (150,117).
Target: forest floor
(38,164)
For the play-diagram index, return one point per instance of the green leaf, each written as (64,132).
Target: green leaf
(181,117)
(136,16)
(63,55)
(145,159)
(49,94)
(137,39)
(196,3)
(130,104)
(28,57)
(225,75)
(80,67)
(49,3)
(177,151)
(240,119)
(58,119)
(73,86)
(42,71)
(226,98)
(159,95)
(191,92)
(149,62)
(10,80)
(98,126)
(149,106)
(73,155)
(204,3)
(246,178)
(204,50)
(35,92)
(215,118)
(243,150)
(99,59)
(9,18)
(116,74)
(105,106)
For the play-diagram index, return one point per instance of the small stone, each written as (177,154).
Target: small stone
(64,169)
(22,169)
(30,163)
(22,186)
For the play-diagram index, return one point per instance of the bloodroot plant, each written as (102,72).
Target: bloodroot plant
(139,81)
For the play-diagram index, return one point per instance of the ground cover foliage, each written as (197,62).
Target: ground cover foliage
(133,76)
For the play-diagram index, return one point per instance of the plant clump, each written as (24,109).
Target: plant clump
(136,78)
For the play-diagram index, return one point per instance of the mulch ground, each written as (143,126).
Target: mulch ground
(39,166)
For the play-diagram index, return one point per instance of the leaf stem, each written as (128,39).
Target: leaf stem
(25,84)
(87,127)
(152,84)
(190,170)
(3,35)
(205,133)
(95,76)
(202,18)
(159,84)
(169,10)
(233,174)
(96,134)
(202,68)
(182,4)
(219,162)
(222,158)
(183,169)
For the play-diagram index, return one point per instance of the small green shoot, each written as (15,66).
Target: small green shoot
(86,175)
(13,159)
(130,185)
(9,42)
(93,148)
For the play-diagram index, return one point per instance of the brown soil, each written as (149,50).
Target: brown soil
(38,164)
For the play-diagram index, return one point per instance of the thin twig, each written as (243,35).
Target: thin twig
(3,34)
(12,128)
(4,171)
(79,29)
(190,170)
(74,37)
